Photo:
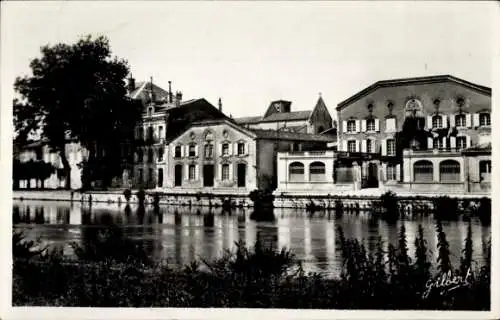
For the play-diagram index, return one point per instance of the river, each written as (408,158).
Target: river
(182,234)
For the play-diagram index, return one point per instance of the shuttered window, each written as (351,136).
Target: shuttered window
(423,171)
(296,171)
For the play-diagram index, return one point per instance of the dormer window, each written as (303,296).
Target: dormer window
(150,111)
(484,119)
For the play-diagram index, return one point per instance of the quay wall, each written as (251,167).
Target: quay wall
(296,200)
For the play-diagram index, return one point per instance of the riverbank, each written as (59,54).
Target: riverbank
(360,199)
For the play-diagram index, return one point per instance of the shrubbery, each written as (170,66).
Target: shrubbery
(383,278)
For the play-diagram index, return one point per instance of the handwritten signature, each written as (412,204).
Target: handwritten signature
(447,282)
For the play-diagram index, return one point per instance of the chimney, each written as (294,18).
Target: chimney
(220,104)
(130,84)
(170,91)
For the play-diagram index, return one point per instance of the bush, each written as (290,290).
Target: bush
(389,206)
(445,208)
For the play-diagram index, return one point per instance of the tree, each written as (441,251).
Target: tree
(78,92)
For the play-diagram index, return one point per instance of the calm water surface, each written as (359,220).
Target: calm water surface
(182,234)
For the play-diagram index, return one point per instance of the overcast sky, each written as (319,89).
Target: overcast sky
(251,53)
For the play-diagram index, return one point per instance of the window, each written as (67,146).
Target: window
(370,125)
(178,151)
(437,121)
(461,142)
(192,150)
(485,170)
(209,151)
(391,147)
(150,174)
(241,148)
(160,132)
(192,172)
(150,133)
(351,126)
(460,121)
(160,178)
(437,143)
(484,119)
(317,171)
(225,149)
(140,156)
(225,172)
(423,171)
(369,146)
(390,125)
(160,154)
(150,155)
(449,171)
(391,172)
(140,175)
(140,133)
(39,154)
(296,171)
(351,146)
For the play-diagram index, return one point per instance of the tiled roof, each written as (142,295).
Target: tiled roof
(408,81)
(275,135)
(247,120)
(288,116)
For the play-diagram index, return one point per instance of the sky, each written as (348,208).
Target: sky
(250,53)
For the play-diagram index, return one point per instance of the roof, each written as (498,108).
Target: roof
(415,80)
(275,135)
(142,91)
(275,117)
(479,148)
(248,119)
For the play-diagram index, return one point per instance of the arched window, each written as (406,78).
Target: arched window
(317,171)
(485,170)
(296,171)
(484,119)
(423,171)
(449,171)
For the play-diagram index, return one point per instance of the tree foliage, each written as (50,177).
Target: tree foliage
(77,91)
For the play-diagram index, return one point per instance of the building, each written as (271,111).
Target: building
(425,134)
(38,152)
(164,116)
(280,117)
(220,155)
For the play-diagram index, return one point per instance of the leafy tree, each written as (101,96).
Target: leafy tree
(77,91)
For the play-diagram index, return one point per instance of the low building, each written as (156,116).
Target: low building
(280,117)
(220,155)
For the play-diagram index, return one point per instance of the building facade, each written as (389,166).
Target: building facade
(427,134)
(220,155)
(279,116)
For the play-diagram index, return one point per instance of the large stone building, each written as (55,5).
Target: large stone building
(279,116)
(426,134)
(220,155)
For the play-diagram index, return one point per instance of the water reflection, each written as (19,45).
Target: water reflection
(181,234)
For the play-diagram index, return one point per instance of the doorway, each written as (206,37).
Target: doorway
(178,175)
(160,178)
(372,175)
(208,175)
(242,174)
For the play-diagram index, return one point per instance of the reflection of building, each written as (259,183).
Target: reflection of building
(423,134)
(280,117)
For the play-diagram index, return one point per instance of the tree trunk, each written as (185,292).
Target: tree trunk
(66,168)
